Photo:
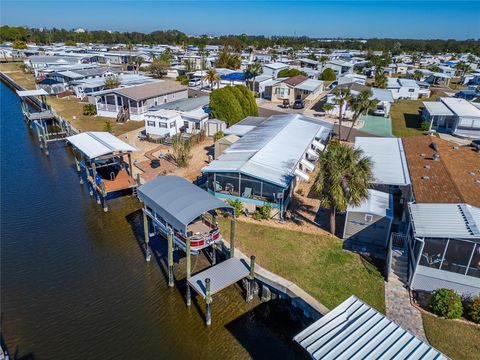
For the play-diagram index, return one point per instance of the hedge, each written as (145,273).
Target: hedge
(232,104)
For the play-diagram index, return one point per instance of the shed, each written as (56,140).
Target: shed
(215,125)
(367,227)
(224,143)
(354,330)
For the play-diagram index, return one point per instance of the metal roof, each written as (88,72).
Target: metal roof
(37,92)
(354,330)
(382,95)
(184,105)
(177,200)
(388,157)
(378,203)
(445,220)
(309,85)
(224,274)
(437,108)
(272,150)
(95,144)
(461,107)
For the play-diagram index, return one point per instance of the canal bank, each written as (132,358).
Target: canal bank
(75,283)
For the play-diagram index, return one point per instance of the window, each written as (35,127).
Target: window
(411,90)
(474,267)
(457,256)
(433,252)
(197,126)
(250,187)
(185,124)
(151,123)
(172,124)
(227,183)
(368,217)
(162,125)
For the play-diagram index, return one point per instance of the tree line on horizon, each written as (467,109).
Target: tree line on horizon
(236,42)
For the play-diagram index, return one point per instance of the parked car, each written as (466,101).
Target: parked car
(142,135)
(285,104)
(476,144)
(195,82)
(379,112)
(298,104)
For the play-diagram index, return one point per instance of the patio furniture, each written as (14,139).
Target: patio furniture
(247,193)
(218,187)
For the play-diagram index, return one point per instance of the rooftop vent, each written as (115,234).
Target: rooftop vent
(427,166)
(456,148)
(434,146)
(477,181)
(422,154)
(436,157)
(426,177)
(472,173)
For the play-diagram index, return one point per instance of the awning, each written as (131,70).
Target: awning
(177,200)
(302,175)
(307,164)
(95,144)
(313,153)
(318,145)
(38,92)
(240,76)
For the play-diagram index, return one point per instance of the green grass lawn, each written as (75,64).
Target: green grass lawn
(315,263)
(454,338)
(69,108)
(405,116)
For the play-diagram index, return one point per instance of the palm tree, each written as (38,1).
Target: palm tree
(462,67)
(252,72)
(417,75)
(415,58)
(380,79)
(361,104)
(343,178)
(212,77)
(328,107)
(322,60)
(341,97)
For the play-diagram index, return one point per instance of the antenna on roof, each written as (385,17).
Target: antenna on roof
(436,157)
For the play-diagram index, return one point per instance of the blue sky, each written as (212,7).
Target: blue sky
(400,19)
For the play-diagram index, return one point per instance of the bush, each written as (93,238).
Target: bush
(89,109)
(328,75)
(265,211)
(183,79)
(218,135)
(425,126)
(290,73)
(232,104)
(107,126)
(473,309)
(237,206)
(446,303)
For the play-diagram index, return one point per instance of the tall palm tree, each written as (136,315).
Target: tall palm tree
(252,72)
(322,60)
(462,67)
(417,75)
(380,79)
(212,77)
(343,179)
(327,108)
(415,58)
(341,97)
(361,104)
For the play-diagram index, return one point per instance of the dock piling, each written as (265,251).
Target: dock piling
(146,231)
(208,301)
(170,257)
(251,279)
(189,271)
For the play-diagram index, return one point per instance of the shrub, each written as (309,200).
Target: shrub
(232,104)
(446,303)
(89,109)
(328,75)
(473,309)
(265,211)
(425,126)
(107,126)
(237,206)
(218,135)
(183,79)
(257,216)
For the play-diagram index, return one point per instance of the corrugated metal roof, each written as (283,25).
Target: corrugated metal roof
(461,107)
(388,157)
(226,273)
(95,144)
(437,108)
(354,330)
(309,85)
(184,105)
(177,200)
(273,149)
(445,220)
(37,92)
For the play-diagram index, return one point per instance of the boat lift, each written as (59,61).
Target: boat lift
(40,116)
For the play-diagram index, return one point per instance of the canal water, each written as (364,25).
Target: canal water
(74,283)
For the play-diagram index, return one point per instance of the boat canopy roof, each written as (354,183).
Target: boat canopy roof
(94,144)
(38,92)
(177,200)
